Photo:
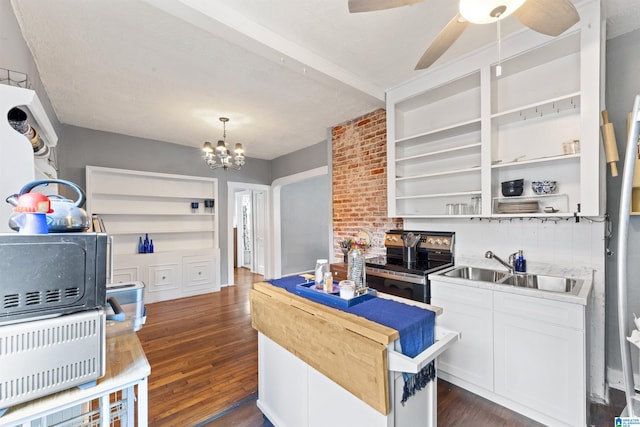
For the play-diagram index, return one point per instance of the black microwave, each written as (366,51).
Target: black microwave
(51,274)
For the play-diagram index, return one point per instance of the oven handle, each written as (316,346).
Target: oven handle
(444,339)
(419,280)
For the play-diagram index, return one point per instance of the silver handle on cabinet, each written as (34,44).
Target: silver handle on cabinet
(110,252)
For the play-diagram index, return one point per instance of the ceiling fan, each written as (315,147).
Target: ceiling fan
(550,17)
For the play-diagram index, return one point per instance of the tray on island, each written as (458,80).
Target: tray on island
(331,299)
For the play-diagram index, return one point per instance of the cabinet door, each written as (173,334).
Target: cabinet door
(542,366)
(199,275)
(469,311)
(284,405)
(125,275)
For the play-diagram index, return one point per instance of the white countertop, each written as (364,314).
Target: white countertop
(584,274)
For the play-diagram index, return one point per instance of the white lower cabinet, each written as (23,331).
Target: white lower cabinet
(169,275)
(294,394)
(468,310)
(523,352)
(539,356)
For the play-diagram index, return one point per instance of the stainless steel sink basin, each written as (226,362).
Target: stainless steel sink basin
(475,273)
(544,283)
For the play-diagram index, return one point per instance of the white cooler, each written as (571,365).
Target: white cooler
(131,314)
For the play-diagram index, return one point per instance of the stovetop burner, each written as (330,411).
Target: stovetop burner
(432,265)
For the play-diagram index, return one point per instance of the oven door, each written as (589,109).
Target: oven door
(390,283)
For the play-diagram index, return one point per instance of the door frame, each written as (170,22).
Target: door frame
(232,188)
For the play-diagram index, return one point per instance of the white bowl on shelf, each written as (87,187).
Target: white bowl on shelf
(544,187)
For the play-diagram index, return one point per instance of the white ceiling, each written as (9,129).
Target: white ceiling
(283,71)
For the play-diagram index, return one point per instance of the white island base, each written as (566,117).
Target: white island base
(318,366)
(293,394)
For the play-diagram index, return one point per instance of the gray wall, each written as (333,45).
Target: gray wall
(622,85)
(305,233)
(305,159)
(82,147)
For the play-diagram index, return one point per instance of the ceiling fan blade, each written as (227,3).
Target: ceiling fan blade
(443,41)
(550,17)
(356,6)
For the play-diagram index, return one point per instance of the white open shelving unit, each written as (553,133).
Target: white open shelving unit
(459,131)
(133,204)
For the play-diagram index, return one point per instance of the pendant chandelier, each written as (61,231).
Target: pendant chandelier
(220,156)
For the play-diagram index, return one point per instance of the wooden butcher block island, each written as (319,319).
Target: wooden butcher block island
(320,365)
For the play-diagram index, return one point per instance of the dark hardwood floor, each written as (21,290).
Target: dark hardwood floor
(203,356)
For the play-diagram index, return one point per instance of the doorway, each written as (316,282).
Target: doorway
(247,228)
(250,230)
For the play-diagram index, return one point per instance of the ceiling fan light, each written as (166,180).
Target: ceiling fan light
(480,11)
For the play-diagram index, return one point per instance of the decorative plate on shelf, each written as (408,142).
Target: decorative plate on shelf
(518,207)
(364,237)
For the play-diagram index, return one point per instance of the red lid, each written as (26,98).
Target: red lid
(33,202)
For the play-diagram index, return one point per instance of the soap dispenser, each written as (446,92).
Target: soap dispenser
(520,264)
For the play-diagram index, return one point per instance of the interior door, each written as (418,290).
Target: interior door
(259,231)
(245,229)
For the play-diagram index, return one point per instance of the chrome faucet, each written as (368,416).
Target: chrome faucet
(509,265)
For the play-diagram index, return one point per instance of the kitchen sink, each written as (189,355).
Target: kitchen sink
(544,283)
(475,273)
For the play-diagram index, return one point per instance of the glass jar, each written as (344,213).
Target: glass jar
(476,202)
(322,266)
(356,271)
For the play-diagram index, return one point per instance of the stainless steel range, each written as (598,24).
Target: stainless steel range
(405,268)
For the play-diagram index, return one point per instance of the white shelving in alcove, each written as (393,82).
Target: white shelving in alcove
(133,204)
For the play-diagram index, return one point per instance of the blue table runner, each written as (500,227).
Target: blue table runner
(414,325)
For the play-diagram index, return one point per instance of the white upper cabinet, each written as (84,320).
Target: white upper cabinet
(460,130)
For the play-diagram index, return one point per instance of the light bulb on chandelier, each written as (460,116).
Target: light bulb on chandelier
(220,156)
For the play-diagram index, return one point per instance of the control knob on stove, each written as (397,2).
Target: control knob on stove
(431,241)
(445,242)
(438,242)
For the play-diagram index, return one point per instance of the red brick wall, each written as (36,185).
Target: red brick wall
(360,181)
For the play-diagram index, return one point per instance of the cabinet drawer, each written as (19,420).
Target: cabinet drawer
(542,310)
(125,275)
(197,271)
(462,294)
(164,277)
